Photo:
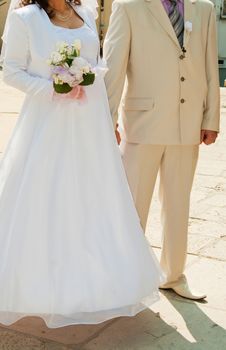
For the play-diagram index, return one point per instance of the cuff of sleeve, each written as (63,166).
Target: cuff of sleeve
(210,125)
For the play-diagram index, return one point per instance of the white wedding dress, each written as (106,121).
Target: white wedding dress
(71,247)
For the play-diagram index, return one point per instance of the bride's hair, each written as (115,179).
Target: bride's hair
(44,4)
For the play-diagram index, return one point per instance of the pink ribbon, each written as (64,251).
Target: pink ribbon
(77,93)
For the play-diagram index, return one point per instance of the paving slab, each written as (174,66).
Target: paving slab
(11,99)
(173,322)
(15,341)
(70,335)
(7,125)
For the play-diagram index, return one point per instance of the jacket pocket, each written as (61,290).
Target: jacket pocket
(138,104)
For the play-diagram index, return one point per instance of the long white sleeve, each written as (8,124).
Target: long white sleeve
(17,57)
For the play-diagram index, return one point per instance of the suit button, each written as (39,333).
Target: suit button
(182,100)
(182,78)
(181,57)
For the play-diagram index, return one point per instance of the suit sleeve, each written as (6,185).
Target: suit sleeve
(17,58)
(211,115)
(116,54)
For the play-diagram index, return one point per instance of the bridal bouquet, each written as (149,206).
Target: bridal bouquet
(70,71)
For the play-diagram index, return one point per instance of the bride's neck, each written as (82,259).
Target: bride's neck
(58,5)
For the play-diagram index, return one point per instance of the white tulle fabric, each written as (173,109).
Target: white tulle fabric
(71,247)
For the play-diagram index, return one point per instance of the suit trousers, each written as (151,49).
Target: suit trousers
(176,165)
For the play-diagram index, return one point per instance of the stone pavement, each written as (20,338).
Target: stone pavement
(172,323)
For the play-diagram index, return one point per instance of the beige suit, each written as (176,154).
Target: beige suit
(158,107)
(166,98)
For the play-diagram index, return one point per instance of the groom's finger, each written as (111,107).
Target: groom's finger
(118,137)
(202,135)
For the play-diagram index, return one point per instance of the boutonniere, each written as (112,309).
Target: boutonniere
(188,30)
(188,26)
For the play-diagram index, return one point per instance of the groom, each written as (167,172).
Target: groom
(162,59)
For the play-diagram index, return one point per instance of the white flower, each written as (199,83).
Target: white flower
(82,64)
(77,44)
(188,26)
(70,50)
(67,78)
(79,62)
(86,69)
(57,80)
(56,57)
(61,45)
(77,72)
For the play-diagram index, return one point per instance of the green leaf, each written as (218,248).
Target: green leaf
(69,61)
(88,79)
(62,88)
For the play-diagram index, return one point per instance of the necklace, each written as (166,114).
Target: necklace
(64,18)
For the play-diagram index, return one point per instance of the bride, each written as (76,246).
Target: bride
(71,246)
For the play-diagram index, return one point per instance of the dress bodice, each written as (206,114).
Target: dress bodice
(34,37)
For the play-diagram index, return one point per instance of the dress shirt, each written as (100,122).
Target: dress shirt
(167,6)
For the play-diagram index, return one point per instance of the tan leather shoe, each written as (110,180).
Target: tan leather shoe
(181,288)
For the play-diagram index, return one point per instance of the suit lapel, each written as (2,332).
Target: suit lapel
(158,11)
(189,16)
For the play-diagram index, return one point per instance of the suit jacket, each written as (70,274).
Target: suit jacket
(168,96)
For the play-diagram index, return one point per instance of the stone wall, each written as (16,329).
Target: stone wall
(4,4)
(104,14)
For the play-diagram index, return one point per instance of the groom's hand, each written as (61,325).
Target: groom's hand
(117,134)
(208,136)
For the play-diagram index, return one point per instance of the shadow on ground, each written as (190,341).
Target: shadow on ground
(149,331)
(143,332)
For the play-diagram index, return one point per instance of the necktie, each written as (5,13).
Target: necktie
(177,21)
